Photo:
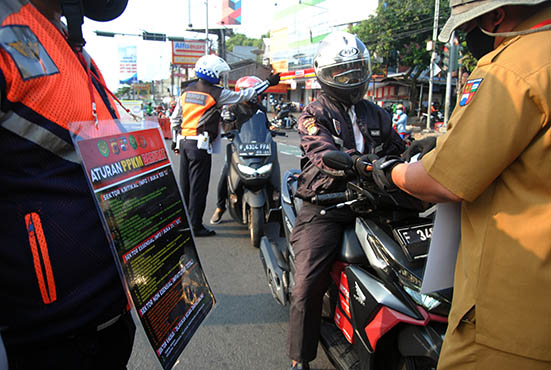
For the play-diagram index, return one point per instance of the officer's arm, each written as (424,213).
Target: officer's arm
(415,180)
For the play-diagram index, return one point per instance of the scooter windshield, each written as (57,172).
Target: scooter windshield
(254,130)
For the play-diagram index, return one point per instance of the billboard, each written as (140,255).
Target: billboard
(128,70)
(231,12)
(186,53)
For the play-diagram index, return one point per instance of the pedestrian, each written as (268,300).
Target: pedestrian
(339,119)
(63,305)
(495,159)
(195,123)
(400,120)
(233,118)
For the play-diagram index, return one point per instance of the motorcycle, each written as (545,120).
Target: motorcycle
(252,157)
(436,120)
(284,118)
(374,315)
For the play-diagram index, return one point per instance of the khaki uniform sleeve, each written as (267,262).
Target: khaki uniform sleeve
(487,134)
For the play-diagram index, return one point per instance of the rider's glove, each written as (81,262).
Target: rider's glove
(382,172)
(173,147)
(227,116)
(420,147)
(273,79)
(362,164)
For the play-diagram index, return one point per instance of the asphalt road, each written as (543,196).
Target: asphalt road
(247,329)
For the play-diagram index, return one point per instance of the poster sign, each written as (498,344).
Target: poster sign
(186,53)
(137,195)
(231,12)
(128,70)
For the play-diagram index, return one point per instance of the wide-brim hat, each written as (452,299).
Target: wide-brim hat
(464,11)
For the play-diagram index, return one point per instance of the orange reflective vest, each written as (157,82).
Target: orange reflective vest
(57,272)
(199,109)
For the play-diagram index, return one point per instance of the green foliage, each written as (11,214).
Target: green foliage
(124,92)
(399,30)
(239,39)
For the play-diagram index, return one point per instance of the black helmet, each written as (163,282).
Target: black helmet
(343,67)
(97,10)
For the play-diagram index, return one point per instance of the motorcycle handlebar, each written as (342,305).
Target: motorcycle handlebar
(331,198)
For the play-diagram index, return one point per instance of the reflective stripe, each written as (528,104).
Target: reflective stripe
(41,137)
(37,239)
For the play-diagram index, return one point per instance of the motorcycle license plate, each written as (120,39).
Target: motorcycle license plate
(415,239)
(255,150)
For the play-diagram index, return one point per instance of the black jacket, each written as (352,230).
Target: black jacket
(325,125)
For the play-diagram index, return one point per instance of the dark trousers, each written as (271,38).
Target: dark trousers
(195,167)
(316,240)
(222,192)
(88,349)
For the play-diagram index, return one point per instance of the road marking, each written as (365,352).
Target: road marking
(289,150)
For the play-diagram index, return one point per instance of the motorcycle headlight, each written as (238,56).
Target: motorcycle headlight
(422,299)
(246,169)
(249,171)
(264,169)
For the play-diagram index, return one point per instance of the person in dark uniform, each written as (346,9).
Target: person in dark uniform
(62,301)
(340,119)
(232,118)
(195,125)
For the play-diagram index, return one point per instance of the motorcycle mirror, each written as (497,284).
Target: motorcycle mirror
(337,160)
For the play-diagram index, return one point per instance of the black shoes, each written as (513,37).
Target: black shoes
(203,232)
(217,216)
(300,366)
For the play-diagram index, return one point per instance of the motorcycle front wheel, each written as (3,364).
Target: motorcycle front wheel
(256,225)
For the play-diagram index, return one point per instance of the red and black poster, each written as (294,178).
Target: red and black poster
(137,194)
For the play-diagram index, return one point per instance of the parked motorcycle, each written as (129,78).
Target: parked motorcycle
(436,120)
(374,315)
(252,157)
(284,118)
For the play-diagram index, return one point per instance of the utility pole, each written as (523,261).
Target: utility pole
(207,28)
(451,67)
(432,58)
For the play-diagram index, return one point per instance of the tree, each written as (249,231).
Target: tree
(399,30)
(239,39)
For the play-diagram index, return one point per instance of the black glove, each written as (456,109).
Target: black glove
(420,147)
(273,79)
(382,170)
(228,116)
(361,163)
(173,147)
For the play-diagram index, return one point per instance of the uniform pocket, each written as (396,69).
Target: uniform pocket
(41,258)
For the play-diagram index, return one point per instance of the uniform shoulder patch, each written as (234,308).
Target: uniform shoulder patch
(471,87)
(310,126)
(27,52)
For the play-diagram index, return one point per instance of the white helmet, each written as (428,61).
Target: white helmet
(343,67)
(210,67)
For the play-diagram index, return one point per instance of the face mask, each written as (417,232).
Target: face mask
(479,43)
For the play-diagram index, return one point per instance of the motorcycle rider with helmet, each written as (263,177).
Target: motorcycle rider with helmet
(340,119)
(195,124)
(233,116)
(63,305)
(399,121)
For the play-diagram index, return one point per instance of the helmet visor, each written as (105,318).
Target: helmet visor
(346,74)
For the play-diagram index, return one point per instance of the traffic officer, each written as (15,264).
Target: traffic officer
(62,303)
(497,163)
(233,118)
(340,119)
(195,125)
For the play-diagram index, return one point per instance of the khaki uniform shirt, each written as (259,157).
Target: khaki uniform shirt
(496,156)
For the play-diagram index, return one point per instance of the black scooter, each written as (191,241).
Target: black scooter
(253,170)
(374,315)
